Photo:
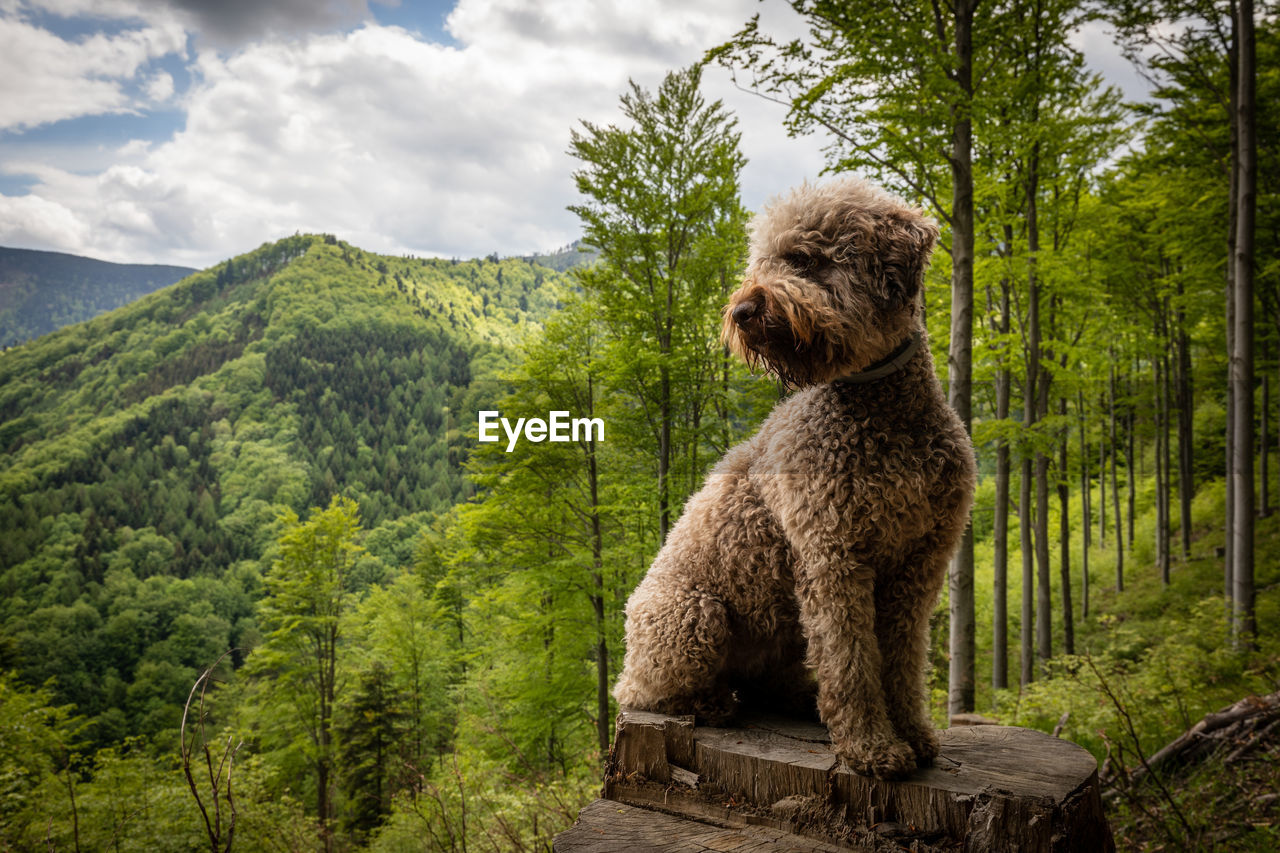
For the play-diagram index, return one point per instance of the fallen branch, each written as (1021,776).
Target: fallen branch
(1217,731)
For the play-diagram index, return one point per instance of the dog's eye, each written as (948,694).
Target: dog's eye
(799,261)
(804,264)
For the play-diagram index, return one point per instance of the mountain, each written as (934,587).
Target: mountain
(43,291)
(576,254)
(146,454)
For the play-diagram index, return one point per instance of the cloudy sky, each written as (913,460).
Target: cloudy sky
(188,131)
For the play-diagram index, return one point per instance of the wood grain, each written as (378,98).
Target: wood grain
(992,788)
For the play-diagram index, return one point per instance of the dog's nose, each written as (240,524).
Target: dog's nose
(743,311)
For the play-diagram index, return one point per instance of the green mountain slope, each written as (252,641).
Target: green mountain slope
(145,454)
(43,291)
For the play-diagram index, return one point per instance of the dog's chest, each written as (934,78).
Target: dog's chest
(875,470)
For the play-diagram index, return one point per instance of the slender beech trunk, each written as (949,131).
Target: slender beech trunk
(1264,445)
(1166,433)
(1025,524)
(1166,436)
(664,451)
(1086,505)
(1115,486)
(549,657)
(597,588)
(1044,600)
(1161,366)
(1243,627)
(1064,537)
(1185,404)
(961,680)
(1000,594)
(1131,471)
(1026,508)
(1026,505)
(1155,415)
(1102,491)
(1233,181)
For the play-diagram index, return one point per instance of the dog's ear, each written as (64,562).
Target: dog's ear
(906,243)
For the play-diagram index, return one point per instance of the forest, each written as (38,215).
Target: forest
(43,291)
(264,589)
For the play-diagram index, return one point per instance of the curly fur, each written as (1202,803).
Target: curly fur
(810,561)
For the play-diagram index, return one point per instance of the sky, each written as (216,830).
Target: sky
(189,131)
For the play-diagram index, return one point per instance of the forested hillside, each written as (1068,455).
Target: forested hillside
(43,291)
(148,452)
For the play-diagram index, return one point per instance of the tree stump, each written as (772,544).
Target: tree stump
(775,784)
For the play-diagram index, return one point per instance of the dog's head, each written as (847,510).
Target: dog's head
(833,281)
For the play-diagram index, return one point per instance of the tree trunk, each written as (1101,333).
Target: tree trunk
(1243,627)
(1115,487)
(1086,520)
(1159,456)
(1186,418)
(1264,444)
(1044,599)
(1000,594)
(1064,538)
(960,357)
(993,788)
(1233,181)
(1038,406)
(1131,471)
(1026,523)
(664,452)
(1102,489)
(1026,502)
(597,582)
(1162,446)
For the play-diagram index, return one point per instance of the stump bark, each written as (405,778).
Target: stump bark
(775,784)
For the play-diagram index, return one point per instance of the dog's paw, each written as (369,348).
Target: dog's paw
(716,708)
(924,743)
(883,759)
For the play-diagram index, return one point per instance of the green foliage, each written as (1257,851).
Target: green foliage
(308,591)
(150,451)
(660,203)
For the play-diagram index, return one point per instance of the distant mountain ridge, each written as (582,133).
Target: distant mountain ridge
(43,291)
(576,254)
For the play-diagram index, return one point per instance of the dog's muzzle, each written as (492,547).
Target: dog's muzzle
(743,312)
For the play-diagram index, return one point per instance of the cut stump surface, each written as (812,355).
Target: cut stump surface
(992,788)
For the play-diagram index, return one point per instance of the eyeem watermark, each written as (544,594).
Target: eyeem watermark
(558,426)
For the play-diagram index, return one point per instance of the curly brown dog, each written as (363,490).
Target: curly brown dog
(818,547)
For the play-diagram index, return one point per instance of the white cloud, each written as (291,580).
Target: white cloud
(395,143)
(159,87)
(44,78)
(35,221)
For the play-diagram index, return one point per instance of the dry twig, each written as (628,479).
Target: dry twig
(220,839)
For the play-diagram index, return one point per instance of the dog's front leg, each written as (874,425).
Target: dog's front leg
(905,600)
(837,612)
